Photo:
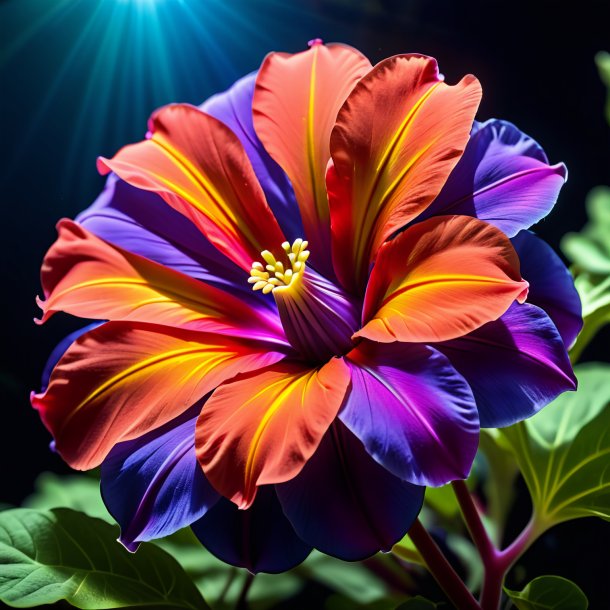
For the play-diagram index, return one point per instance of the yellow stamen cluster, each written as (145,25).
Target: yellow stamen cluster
(275,274)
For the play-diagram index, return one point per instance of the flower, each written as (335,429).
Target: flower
(313,298)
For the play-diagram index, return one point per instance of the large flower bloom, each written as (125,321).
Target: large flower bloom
(312,293)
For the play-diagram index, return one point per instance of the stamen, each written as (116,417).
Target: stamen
(278,274)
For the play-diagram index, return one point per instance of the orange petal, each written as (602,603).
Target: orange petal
(200,168)
(261,429)
(121,380)
(440,279)
(296,101)
(88,277)
(397,138)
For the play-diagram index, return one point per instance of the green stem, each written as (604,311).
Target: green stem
(242,603)
(441,569)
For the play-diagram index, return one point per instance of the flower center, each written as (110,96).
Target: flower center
(319,318)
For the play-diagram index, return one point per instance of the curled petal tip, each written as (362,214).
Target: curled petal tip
(130,545)
(314,42)
(102,166)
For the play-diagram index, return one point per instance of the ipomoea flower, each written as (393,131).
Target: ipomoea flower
(315,290)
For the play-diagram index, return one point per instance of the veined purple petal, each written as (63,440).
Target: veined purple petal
(515,365)
(260,538)
(503,178)
(551,284)
(234,108)
(153,485)
(345,504)
(413,411)
(141,222)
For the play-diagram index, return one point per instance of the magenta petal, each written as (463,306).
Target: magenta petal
(259,539)
(234,108)
(503,177)
(413,411)
(153,485)
(515,365)
(551,284)
(345,504)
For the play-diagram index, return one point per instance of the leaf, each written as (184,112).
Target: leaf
(563,451)
(602,59)
(81,493)
(47,556)
(417,603)
(549,593)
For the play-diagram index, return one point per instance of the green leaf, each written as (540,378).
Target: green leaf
(47,556)
(417,603)
(602,59)
(79,492)
(563,451)
(549,593)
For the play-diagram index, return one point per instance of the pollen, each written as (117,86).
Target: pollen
(277,273)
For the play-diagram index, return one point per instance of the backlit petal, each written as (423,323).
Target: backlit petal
(551,284)
(515,365)
(296,101)
(397,138)
(87,277)
(413,411)
(234,108)
(262,428)
(123,379)
(439,280)
(345,504)
(199,166)
(259,539)
(153,485)
(503,177)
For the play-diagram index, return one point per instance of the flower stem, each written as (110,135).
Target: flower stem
(495,562)
(441,569)
(241,602)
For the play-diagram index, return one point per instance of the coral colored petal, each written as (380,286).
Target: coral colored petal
(123,379)
(87,277)
(397,138)
(153,485)
(345,504)
(551,285)
(515,365)
(234,108)
(262,428)
(142,223)
(413,411)
(439,280)
(296,101)
(259,539)
(503,177)
(198,165)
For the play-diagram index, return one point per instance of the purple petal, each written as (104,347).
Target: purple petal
(515,365)
(260,539)
(503,177)
(141,222)
(551,284)
(413,411)
(234,109)
(60,349)
(345,504)
(153,485)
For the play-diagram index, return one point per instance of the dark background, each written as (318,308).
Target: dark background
(78,78)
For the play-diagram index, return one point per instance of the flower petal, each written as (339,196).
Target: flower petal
(142,223)
(296,101)
(262,428)
(515,365)
(413,411)
(234,108)
(121,380)
(551,285)
(345,504)
(153,485)
(87,277)
(397,138)
(439,280)
(503,177)
(259,539)
(198,165)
